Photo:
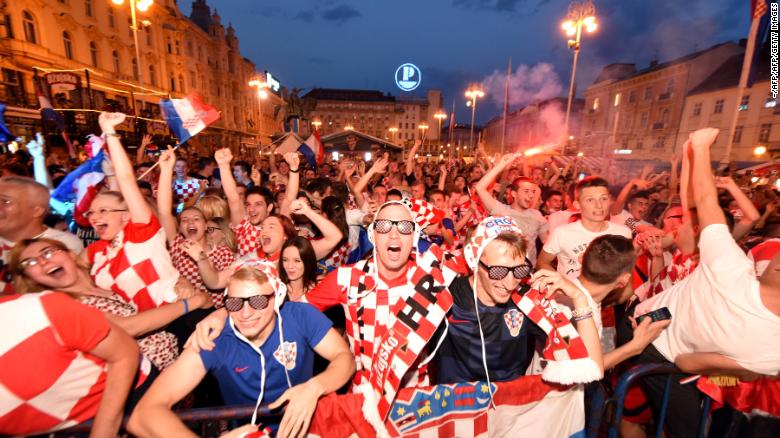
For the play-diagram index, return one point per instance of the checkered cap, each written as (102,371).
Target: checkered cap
(763,253)
(423,212)
(269,269)
(486,231)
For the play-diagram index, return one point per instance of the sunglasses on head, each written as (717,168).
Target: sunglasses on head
(383,226)
(257,302)
(500,272)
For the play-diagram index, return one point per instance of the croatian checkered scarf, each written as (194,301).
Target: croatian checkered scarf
(567,356)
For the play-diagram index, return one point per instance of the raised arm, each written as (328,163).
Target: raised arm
(237,211)
(139,154)
(140,212)
(410,158)
(36,149)
(705,195)
(293,181)
(165,195)
(620,201)
(330,232)
(487,199)
(157,318)
(442,176)
(379,167)
(751,214)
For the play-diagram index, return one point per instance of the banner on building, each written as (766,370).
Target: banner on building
(59,82)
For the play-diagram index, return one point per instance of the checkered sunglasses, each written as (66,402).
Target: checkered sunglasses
(257,302)
(500,272)
(383,226)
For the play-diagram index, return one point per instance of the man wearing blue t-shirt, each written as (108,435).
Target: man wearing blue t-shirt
(253,360)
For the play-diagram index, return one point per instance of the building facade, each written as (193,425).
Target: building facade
(381,115)
(93,41)
(535,125)
(640,110)
(713,103)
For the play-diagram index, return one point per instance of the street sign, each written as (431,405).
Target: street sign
(408,77)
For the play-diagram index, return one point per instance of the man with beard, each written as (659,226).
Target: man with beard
(523,192)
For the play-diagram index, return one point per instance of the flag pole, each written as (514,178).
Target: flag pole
(747,61)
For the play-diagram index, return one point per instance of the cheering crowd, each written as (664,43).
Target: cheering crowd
(208,281)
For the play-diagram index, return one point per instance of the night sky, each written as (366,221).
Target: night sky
(359,44)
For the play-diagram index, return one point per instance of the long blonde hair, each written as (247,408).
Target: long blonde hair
(213,206)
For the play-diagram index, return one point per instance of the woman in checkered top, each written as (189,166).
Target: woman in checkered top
(187,238)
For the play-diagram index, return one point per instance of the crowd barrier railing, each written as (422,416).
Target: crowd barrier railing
(614,404)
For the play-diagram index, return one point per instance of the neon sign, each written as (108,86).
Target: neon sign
(408,77)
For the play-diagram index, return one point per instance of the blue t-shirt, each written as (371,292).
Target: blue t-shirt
(236,365)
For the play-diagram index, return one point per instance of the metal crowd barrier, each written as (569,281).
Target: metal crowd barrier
(195,416)
(628,379)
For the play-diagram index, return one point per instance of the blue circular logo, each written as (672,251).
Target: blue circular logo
(408,77)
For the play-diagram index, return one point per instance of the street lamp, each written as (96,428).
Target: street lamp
(473,93)
(581,14)
(262,88)
(440,116)
(392,130)
(316,124)
(349,128)
(143,6)
(422,127)
(759,150)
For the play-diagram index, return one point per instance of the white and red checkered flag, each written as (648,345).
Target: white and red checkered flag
(187,117)
(424,212)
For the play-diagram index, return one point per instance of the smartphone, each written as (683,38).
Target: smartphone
(661,314)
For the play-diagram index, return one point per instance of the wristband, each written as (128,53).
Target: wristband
(294,171)
(583,317)
(111,134)
(186,306)
(581,311)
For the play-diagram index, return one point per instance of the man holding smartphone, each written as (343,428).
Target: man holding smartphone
(725,320)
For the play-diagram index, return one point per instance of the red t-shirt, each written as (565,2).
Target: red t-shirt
(48,379)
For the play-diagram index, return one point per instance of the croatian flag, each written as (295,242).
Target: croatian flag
(81,186)
(313,150)
(187,117)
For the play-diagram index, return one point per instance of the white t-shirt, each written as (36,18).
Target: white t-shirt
(718,308)
(625,218)
(559,218)
(530,220)
(570,241)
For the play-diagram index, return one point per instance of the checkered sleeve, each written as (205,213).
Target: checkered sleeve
(78,326)
(221,258)
(139,233)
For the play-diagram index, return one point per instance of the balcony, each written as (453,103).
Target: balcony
(665,96)
(658,125)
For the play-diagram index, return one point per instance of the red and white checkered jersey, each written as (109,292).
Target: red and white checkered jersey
(48,380)
(247,237)
(220,258)
(185,190)
(136,265)
(375,316)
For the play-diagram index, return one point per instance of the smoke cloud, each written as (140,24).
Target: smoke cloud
(526,85)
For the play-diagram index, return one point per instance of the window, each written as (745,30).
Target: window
(648,93)
(617,100)
(178,47)
(148,35)
(737,134)
(115,59)
(135,69)
(718,106)
(88,7)
(111,17)
(660,143)
(93,54)
(697,109)
(152,75)
(743,104)
(595,106)
(664,116)
(169,45)
(28,22)
(193,80)
(68,44)
(173,84)
(640,145)
(765,132)
(643,120)
(670,86)
(181,84)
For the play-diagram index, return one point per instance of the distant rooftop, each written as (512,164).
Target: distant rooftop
(349,95)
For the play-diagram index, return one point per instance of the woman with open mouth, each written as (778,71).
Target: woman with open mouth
(45,264)
(188,233)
